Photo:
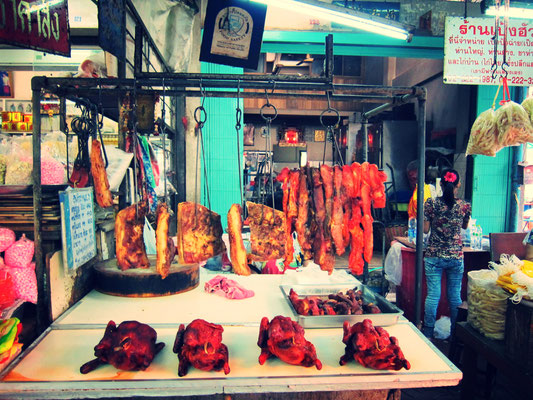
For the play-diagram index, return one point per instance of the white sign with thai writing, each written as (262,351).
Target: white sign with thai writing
(77,227)
(469,51)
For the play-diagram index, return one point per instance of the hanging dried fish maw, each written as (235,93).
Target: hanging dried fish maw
(484,135)
(514,126)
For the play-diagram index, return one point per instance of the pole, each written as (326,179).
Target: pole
(42,300)
(420,208)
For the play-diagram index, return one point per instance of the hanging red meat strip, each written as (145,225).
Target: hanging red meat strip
(366,201)
(368,237)
(283,177)
(326,173)
(323,249)
(355,260)
(377,179)
(291,214)
(301,225)
(348,191)
(338,214)
(356,171)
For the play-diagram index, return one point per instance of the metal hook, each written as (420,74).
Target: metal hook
(203,93)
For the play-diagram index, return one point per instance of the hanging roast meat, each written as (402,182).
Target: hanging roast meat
(284,338)
(99,174)
(130,347)
(129,226)
(166,251)
(200,345)
(372,347)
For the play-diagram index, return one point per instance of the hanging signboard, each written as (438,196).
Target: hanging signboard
(78,232)
(233,31)
(112,27)
(36,24)
(469,51)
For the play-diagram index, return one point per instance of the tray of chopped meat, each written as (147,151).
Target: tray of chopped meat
(326,306)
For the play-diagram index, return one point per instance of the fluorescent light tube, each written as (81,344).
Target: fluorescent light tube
(514,12)
(342,16)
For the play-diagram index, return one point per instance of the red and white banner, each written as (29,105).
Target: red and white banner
(37,24)
(469,51)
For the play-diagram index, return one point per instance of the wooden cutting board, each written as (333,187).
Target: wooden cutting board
(139,282)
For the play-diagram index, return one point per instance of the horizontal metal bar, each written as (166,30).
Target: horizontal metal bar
(234,77)
(234,84)
(397,101)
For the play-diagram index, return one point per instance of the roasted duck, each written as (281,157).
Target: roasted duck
(267,232)
(129,226)
(236,245)
(98,172)
(130,347)
(372,347)
(166,251)
(284,338)
(200,345)
(199,233)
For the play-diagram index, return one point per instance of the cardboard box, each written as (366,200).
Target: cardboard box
(28,118)
(16,117)
(6,116)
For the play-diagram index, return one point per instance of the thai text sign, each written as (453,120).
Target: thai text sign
(37,24)
(77,227)
(469,51)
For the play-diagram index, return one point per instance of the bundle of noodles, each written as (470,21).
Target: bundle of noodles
(528,106)
(484,135)
(513,124)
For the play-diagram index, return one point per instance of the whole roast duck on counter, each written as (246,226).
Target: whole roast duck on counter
(200,345)
(372,347)
(284,338)
(130,347)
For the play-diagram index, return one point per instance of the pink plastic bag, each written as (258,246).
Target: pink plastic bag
(24,283)
(7,238)
(20,253)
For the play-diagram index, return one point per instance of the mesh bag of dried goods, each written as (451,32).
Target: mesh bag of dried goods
(514,126)
(487,303)
(528,106)
(484,135)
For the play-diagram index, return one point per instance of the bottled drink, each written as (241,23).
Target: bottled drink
(411,230)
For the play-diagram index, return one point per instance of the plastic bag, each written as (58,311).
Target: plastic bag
(7,291)
(442,328)
(393,264)
(19,162)
(5,149)
(528,106)
(24,283)
(514,126)
(487,304)
(484,135)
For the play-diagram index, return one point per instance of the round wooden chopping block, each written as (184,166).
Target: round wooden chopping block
(139,282)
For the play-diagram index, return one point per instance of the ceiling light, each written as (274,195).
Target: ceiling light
(343,16)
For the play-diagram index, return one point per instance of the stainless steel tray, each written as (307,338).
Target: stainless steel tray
(389,312)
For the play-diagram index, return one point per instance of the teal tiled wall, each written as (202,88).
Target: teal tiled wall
(220,143)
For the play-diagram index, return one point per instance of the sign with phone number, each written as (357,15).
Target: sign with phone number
(469,51)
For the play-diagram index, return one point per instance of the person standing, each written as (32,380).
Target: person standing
(445,215)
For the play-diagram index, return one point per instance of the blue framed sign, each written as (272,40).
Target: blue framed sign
(78,233)
(233,31)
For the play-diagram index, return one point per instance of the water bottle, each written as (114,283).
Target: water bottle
(479,238)
(411,230)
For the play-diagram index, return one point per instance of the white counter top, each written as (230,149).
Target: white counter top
(50,367)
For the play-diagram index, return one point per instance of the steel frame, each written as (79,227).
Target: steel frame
(196,85)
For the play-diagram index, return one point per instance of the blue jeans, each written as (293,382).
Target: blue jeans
(454,275)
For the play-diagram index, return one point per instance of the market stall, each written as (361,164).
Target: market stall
(86,320)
